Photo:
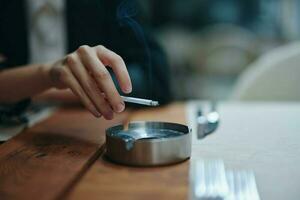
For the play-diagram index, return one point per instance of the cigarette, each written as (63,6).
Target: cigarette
(146,102)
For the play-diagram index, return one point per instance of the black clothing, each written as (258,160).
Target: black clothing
(92,22)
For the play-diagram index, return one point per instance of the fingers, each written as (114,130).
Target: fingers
(102,77)
(68,79)
(84,72)
(89,86)
(113,60)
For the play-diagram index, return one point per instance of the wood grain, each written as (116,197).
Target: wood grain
(106,180)
(43,162)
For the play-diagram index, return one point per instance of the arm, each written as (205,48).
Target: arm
(82,71)
(23,82)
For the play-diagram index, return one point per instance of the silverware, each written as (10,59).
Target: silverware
(206,124)
(242,185)
(209,180)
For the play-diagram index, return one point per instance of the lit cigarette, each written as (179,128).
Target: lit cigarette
(146,102)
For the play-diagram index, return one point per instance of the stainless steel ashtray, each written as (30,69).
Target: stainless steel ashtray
(148,143)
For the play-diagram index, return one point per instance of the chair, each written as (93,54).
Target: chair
(273,77)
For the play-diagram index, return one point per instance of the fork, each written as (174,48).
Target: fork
(206,124)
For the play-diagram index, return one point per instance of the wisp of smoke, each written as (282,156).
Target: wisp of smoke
(126,12)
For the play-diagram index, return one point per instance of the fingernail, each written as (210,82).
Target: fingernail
(96,113)
(119,108)
(128,89)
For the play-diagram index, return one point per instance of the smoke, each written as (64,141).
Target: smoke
(126,12)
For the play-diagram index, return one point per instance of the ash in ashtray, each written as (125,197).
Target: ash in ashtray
(130,136)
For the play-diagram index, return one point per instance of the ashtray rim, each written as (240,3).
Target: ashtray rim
(185,130)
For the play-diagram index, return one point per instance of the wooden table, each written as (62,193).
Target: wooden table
(61,158)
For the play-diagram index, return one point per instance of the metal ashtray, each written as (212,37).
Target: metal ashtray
(148,143)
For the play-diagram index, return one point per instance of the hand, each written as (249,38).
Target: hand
(84,72)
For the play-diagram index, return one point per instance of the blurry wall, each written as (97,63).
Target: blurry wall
(209,43)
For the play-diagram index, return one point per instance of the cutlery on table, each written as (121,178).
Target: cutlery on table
(207,124)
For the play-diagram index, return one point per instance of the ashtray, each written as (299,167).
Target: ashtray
(148,143)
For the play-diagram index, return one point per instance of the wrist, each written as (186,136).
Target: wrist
(44,71)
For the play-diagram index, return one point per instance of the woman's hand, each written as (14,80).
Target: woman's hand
(84,72)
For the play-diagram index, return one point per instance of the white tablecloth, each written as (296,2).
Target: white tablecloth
(263,137)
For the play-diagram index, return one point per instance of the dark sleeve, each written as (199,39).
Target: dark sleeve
(13,113)
(131,38)
(13,45)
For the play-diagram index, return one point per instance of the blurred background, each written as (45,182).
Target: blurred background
(210,43)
